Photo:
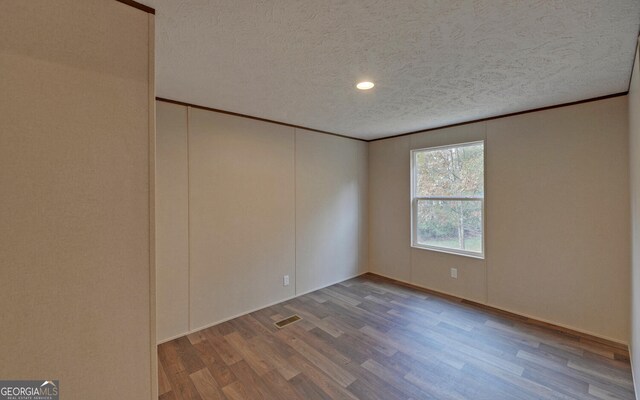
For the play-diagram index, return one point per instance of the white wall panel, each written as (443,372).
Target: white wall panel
(242,210)
(389,208)
(172,221)
(558,216)
(252,211)
(330,208)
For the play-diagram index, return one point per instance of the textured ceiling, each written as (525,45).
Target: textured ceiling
(434,62)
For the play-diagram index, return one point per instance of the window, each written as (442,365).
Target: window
(447,196)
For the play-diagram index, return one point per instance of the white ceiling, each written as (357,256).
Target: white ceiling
(434,62)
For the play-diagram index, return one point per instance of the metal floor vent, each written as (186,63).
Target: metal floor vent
(288,321)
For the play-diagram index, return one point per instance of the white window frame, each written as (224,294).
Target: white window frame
(415,199)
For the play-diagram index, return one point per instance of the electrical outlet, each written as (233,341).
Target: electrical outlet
(454,273)
(285,280)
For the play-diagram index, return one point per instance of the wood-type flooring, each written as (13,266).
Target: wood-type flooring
(375,339)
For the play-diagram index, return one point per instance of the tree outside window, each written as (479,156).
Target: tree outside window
(448,198)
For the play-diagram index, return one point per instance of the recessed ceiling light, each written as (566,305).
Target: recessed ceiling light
(365,85)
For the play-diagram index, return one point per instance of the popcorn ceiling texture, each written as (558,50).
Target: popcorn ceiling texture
(434,62)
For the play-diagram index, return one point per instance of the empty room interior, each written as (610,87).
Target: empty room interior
(363,199)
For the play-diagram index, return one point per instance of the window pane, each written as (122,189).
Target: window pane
(451,171)
(450,224)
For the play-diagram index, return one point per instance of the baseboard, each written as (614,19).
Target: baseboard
(330,284)
(257,309)
(226,319)
(530,320)
(439,293)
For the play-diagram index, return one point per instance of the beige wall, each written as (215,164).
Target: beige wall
(331,196)
(389,208)
(557,217)
(241,216)
(634,146)
(255,190)
(172,220)
(75,151)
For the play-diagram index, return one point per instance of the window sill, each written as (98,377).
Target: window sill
(478,256)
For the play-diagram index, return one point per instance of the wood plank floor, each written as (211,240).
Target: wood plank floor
(370,338)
